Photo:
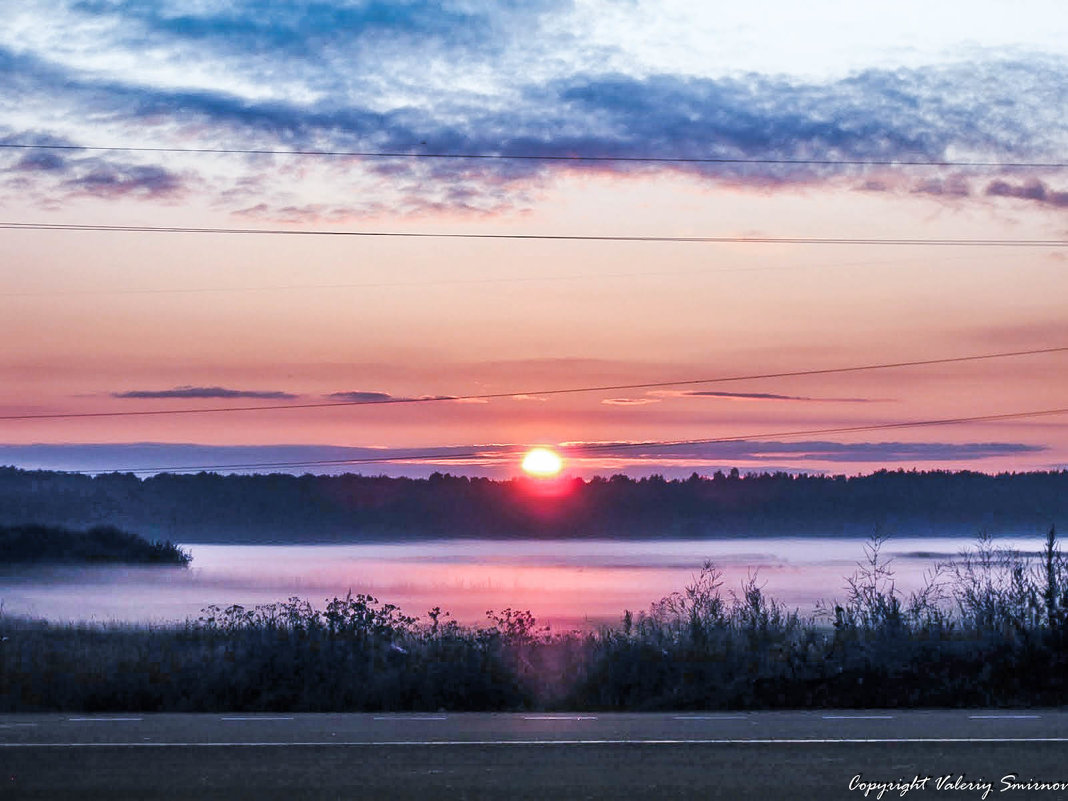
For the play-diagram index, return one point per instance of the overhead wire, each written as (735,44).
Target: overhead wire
(438,282)
(592,448)
(547,392)
(13,225)
(711,240)
(945,242)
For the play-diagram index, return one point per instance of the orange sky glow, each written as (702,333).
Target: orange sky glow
(97,322)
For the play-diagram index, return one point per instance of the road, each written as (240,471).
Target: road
(694,755)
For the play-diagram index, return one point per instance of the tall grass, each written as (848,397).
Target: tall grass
(985,630)
(356,654)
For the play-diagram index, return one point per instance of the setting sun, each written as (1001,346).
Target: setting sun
(542,462)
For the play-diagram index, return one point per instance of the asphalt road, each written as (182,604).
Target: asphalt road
(960,754)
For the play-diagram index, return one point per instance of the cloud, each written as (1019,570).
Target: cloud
(1036,332)
(110,180)
(876,114)
(1032,190)
(955,186)
(66,173)
(204,392)
(874,185)
(361,396)
(493,460)
(801,452)
(629,401)
(153,456)
(304,29)
(40,161)
(383,77)
(759,396)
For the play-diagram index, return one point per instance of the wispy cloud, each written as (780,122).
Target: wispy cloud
(362,396)
(953,186)
(358,396)
(629,401)
(205,392)
(109,180)
(801,452)
(495,459)
(768,396)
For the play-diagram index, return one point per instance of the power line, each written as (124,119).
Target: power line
(547,157)
(709,240)
(567,391)
(411,284)
(437,282)
(603,447)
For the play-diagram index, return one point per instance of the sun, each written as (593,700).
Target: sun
(542,463)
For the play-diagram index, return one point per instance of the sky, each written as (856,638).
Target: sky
(98,322)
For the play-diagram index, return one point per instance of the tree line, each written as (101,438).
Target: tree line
(208,507)
(100,544)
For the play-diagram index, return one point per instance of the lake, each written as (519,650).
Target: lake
(567,584)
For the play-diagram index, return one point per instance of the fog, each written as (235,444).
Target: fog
(566,584)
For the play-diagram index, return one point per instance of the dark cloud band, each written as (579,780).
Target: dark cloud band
(489,459)
(204,392)
(1011,108)
(768,396)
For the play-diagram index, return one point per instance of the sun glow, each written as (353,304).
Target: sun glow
(542,463)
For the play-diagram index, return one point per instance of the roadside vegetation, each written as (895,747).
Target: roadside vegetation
(100,544)
(988,629)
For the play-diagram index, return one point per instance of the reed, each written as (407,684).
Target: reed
(987,630)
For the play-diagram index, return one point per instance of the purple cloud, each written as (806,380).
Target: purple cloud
(204,392)
(952,187)
(489,459)
(40,161)
(802,451)
(110,180)
(359,396)
(1032,190)
(773,397)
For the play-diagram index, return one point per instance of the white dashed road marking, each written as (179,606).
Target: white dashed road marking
(256,718)
(710,717)
(1004,717)
(858,717)
(559,717)
(411,717)
(103,720)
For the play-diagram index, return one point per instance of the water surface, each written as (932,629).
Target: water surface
(563,583)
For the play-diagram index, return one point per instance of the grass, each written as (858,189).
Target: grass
(988,630)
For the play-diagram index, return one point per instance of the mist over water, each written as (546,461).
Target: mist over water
(566,584)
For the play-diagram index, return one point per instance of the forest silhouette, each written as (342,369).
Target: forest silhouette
(209,507)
